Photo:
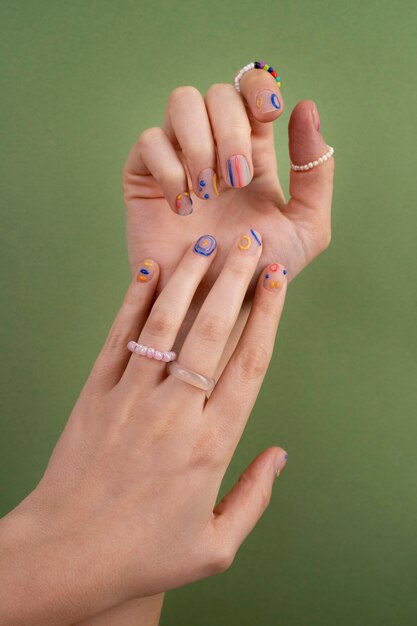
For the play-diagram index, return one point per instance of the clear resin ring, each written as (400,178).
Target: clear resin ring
(151,353)
(191,377)
(319,161)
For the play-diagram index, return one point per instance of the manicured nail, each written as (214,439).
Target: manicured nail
(184,203)
(280,463)
(205,245)
(250,242)
(146,271)
(207,183)
(316,117)
(238,171)
(267,101)
(275,275)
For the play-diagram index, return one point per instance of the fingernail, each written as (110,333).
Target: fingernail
(316,117)
(238,171)
(250,242)
(267,101)
(205,245)
(280,463)
(146,271)
(207,183)
(275,275)
(184,204)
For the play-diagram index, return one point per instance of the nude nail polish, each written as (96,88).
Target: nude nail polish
(184,204)
(146,271)
(274,277)
(238,171)
(280,463)
(316,117)
(267,101)
(207,183)
(250,242)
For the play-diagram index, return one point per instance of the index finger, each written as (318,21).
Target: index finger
(235,393)
(262,95)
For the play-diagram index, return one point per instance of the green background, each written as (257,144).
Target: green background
(81,80)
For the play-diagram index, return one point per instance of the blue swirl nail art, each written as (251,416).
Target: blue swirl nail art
(205,245)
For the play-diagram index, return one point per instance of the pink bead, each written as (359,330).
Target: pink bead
(166,356)
(262,64)
(157,355)
(173,356)
(132,346)
(150,352)
(142,350)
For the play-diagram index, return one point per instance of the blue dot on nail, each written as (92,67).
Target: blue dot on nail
(284,272)
(143,271)
(267,276)
(206,196)
(202,183)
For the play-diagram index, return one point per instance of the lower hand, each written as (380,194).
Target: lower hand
(127,505)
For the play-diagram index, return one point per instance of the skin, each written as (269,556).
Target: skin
(127,505)
(162,164)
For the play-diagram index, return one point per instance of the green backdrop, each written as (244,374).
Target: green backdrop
(81,80)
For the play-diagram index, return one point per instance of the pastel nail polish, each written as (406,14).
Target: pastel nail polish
(274,277)
(280,464)
(184,204)
(146,271)
(205,245)
(207,183)
(267,101)
(250,242)
(238,171)
(316,117)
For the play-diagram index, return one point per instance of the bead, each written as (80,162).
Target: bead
(150,352)
(321,160)
(257,65)
(274,74)
(270,69)
(325,157)
(157,355)
(131,346)
(166,357)
(261,64)
(315,163)
(310,165)
(266,67)
(142,350)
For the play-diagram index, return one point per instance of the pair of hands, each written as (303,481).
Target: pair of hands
(126,507)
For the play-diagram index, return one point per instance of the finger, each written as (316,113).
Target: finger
(187,125)
(153,154)
(113,358)
(168,312)
(263,97)
(239,511)
(208,336)
(234,395)
(232,134)
(311,190)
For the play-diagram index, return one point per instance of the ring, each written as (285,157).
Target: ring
(151,353)
(256,65)
(189,376)
(319,161)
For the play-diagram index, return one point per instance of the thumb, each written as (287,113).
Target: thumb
(310,189)
(240,510)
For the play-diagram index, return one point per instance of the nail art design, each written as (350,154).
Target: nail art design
(250,242)
(238,171)
(206,245)
(280,465)
(146,271)
(274,277)
(207,181)
(184,203)
(267,101)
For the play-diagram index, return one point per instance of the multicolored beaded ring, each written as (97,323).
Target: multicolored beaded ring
(256,65)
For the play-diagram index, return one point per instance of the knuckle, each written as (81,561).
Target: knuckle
(253,362)
(179,94)
(212,328)
(116,339)
(160,324)
(149,136)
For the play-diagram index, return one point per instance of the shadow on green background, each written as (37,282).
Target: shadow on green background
(81,80)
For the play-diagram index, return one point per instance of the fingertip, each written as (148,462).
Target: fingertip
(273,279)
(305,140)
(262,95)
(147,272)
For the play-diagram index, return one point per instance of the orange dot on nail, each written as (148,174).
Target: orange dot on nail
(143,279)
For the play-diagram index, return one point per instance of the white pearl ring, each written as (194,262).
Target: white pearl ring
(319,161)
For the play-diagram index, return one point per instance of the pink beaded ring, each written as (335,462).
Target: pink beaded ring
(151,353)
(257,65)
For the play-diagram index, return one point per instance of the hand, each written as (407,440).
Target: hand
(127,505)
(204,133)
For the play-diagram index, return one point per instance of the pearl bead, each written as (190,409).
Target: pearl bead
(166,357)
(315,163)
(150,352)
(325,157)
(143,350)
(310,165)
(131,346)
(158,355)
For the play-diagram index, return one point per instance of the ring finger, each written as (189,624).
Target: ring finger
(186,123)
